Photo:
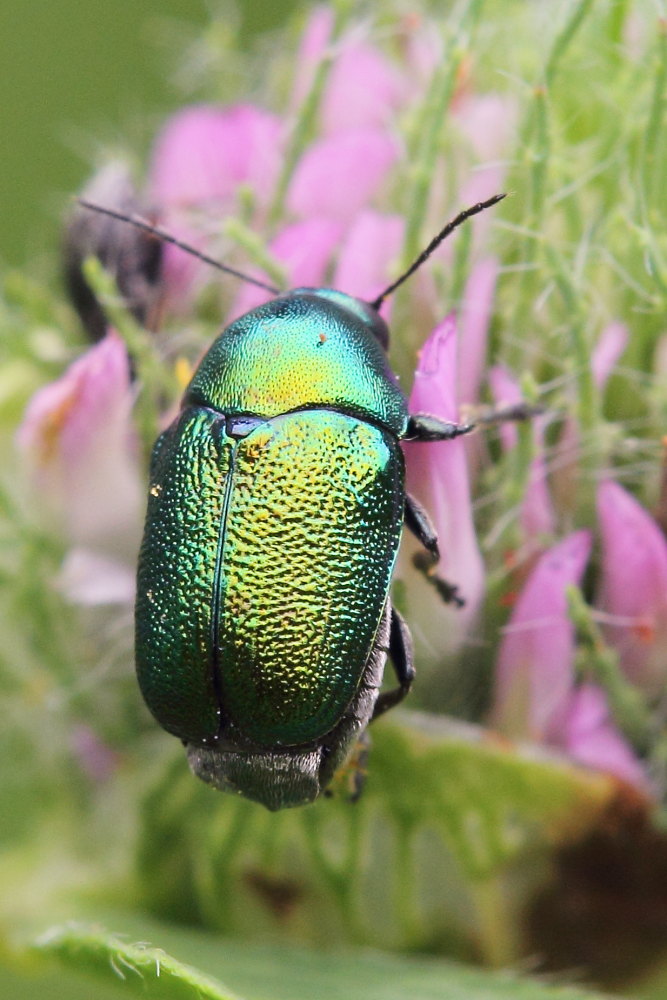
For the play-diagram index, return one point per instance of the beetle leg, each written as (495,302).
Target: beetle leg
(420,524)
(423,427)
(401,655)
(449,592)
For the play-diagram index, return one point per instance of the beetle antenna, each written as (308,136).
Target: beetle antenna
(435,243)
(162,234)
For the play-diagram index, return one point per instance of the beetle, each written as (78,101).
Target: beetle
(275,511)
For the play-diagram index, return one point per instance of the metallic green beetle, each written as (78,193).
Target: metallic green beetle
(275,511)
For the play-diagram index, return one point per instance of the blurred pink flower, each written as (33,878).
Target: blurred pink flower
(474,322)
(609,348)
(438,477)
(588,734)
(566,455)
(91,578)
(489,122)
(422,45)
(80,447)
(201,158)
(305,249)
(205,152)
(633,587)
(371,246)
(363,89)
(537,516)
(535,668)
(536,696)
(314,41)
(97,761)
(338,175)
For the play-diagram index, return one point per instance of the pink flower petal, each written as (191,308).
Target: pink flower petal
(534,675)
(97,761)
(314,41)
(607,351)
(305,248)
(78,439)
(341,173)
(182,273)
(205,152)
(438,477)
(201,158)
(633,586)
(587,733)
(489,121)
(474,323)
(91,578)
(538,518)
(372,245)
(363,89)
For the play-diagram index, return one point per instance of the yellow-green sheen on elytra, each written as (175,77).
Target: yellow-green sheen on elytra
(268,550)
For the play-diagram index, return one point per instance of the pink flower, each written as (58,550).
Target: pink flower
(587,733)
(97,761)
(535,669)
(305,249)
(633,588)
(205,152)
(609,348)
(437,475)
(536,696)
(363,89)
(489,122)
(339,174)
(565,468)
(79,444)
(537,516)
(372,245)
(200,160)
(312,49)
(474,322)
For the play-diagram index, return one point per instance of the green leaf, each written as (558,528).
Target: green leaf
(142,968)
(423,861)
(275,973)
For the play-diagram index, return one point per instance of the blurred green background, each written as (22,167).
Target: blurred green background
(76,76)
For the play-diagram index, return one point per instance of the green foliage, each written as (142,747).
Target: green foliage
(283,974)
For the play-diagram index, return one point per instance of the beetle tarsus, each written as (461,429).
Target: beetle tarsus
(449,592)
